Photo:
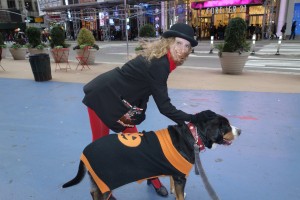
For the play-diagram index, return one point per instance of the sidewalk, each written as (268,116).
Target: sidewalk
(181,78)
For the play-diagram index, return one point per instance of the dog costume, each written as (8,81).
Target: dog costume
(152,154)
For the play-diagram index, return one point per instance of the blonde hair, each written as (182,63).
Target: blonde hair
(156,49)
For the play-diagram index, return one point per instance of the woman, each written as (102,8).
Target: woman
(117,99)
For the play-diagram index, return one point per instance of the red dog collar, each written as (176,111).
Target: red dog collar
(198,141)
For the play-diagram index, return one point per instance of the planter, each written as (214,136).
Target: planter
(60,55)
(4,52)
(19,53)
(34,51)
(233,63)
(89,54)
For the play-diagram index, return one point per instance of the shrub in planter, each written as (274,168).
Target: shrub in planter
(85,38)
(234,52)
(235,37)
(147,31)
(57,37)
(34,36)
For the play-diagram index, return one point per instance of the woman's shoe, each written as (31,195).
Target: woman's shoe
(161,191)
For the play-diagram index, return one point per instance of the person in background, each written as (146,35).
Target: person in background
(283,31)
(293,30)
(117,100)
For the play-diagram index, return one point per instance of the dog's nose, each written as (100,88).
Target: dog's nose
(239,131)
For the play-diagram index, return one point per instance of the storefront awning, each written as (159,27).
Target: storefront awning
(13,25)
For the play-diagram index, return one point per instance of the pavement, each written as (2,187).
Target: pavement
(181,78)
(45,126)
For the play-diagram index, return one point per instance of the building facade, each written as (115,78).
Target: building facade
(109,19)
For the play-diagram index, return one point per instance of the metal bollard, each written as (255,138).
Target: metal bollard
(253,44)
(211,44)
(278,45)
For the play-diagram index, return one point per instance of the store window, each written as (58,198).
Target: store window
(256,14)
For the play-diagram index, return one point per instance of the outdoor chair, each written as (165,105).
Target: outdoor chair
(83,59)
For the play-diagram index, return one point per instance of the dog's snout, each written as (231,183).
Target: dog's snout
(236,131)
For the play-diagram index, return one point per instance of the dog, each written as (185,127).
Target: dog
(117,159)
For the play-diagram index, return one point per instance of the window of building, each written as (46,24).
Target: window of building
(11,4)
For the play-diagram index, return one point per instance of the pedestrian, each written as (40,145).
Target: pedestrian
(257,32)
(283,31)
(293,30)
(117,99)
(274,31)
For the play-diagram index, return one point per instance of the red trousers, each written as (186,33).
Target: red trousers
(99,129)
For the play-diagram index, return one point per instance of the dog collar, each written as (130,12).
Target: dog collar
(198,141)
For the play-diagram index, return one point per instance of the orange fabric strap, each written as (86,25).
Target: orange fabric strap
(101,185)
(171,153)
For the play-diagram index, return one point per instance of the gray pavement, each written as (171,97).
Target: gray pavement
(185,77)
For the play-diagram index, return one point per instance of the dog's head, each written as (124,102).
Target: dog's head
(214,128)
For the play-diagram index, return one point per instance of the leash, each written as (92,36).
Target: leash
(199,170)
(199,146)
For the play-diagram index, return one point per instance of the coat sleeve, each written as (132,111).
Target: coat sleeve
(159,73)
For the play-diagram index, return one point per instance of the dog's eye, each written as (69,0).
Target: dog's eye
(226,129)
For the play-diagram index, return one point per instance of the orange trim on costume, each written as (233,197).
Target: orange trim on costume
(101,185)
(171,153)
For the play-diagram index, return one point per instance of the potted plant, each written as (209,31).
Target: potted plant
(85,39)
(234,52)
(34,39)
(59,48)
(3,46)
(146,34)
(19,48)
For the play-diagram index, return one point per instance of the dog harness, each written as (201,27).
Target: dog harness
(118,159)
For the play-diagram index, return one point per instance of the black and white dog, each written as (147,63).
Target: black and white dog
(118,159)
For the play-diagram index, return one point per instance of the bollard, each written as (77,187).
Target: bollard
(253,44)
(278,45)
(211,44)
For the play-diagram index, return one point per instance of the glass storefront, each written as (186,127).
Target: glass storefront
(205,18)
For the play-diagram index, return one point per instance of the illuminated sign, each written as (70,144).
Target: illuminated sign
(228,9)
(218,3)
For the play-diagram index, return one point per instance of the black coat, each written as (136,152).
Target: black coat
(135,82)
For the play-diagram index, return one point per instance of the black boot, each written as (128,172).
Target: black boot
(162,190)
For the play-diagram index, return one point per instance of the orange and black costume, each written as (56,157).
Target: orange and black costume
(152,154)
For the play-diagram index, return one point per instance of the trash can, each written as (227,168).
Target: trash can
(41,68)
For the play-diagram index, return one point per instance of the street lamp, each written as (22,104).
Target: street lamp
(126,30)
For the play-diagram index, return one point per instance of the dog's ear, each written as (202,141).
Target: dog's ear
(203,117)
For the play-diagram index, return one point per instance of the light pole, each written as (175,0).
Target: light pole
(126,31)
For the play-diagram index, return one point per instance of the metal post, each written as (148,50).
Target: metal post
(126,31)
(278,45)
(211,44)
(253,44)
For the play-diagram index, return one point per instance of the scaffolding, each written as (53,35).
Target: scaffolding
(98,16)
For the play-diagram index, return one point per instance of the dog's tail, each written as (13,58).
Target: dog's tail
(79,176)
